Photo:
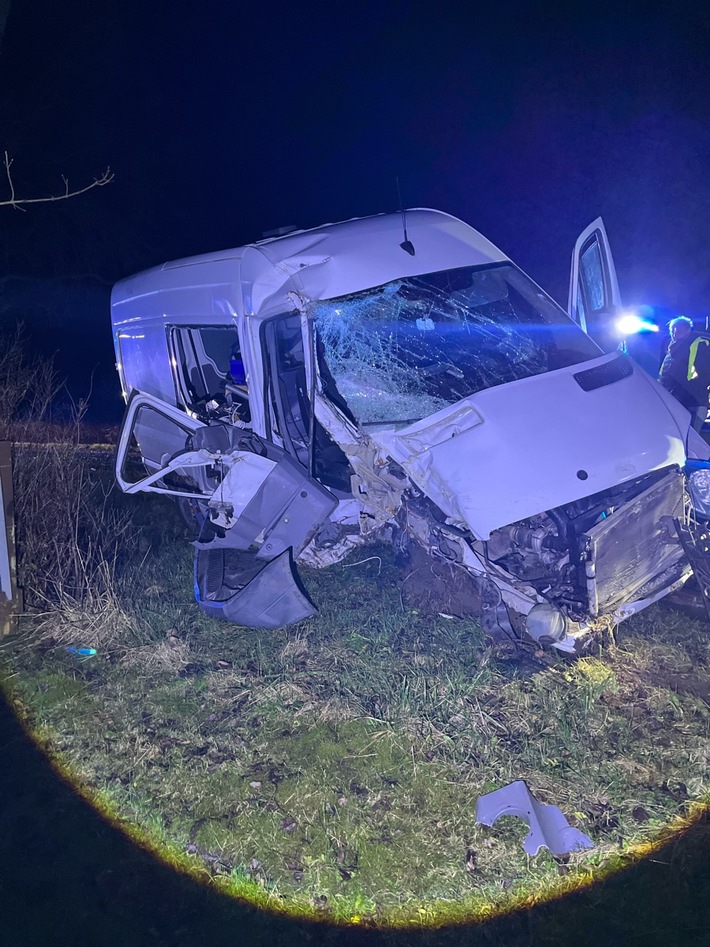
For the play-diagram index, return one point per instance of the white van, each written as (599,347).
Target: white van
(398,377)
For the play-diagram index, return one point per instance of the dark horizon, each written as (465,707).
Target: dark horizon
(222,123)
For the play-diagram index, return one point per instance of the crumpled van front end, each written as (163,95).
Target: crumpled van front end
(551,472)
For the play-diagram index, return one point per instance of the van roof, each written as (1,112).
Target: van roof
(324,262)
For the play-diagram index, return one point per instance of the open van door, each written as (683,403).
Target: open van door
(594,298)
(255,508)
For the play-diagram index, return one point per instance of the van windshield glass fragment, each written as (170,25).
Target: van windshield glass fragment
(402,351)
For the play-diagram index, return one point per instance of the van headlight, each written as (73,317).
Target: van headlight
(699,489)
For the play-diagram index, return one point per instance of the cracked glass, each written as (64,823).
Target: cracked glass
(402,351)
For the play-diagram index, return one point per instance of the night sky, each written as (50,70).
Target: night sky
(222,120)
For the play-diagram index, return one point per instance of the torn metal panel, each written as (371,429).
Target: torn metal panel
(283,512)
(548,826)
(236,586)
(318,556)
(377,491)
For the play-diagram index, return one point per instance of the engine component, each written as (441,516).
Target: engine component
(531,549)
(626,550)
(546,623)
(494,615)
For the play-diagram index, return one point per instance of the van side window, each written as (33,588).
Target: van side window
(208,368)
(592,277)
(580,316)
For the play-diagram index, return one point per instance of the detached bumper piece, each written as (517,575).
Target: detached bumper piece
(236,586)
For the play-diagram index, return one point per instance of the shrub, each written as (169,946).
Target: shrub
(70,534)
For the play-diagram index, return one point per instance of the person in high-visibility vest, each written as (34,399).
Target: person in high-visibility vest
(685,371)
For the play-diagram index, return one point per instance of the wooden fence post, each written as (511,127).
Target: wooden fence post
(10,594)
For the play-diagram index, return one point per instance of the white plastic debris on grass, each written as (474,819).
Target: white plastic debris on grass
(548,826)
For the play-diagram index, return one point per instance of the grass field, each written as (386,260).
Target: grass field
(333,768)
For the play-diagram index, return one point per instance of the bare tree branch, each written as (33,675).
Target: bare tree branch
(17,202)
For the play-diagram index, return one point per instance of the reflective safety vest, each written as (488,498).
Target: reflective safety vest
(692,355)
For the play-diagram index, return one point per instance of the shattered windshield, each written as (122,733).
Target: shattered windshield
(402,351)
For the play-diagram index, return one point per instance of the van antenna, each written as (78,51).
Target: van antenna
(406,243)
